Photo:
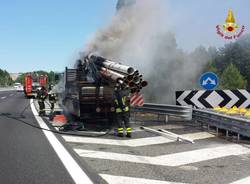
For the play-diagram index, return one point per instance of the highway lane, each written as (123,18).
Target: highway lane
(5,94)
(26,156)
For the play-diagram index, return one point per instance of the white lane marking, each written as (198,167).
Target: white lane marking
(3,97)
(176,159)
(114,156)
(242,181)
(11,94)
(75,171)
(200,155)
(130,143)
(111,179)
(135,142)
(198,135)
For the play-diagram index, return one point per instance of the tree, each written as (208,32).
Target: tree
(237,53)
(232,79)
(5,79)
(244,41)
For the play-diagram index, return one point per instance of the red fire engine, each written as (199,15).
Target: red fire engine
(32,83)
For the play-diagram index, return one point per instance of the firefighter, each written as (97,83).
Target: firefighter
(41,96)
(52,100)
(121,102)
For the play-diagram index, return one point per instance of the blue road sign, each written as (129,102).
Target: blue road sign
(208,80)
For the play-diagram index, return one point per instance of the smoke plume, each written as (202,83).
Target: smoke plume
(139,35)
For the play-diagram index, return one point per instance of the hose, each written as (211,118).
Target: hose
(54,131)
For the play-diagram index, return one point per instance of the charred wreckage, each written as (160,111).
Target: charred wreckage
(90,86)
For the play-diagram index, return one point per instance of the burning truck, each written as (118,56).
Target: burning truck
(89,87)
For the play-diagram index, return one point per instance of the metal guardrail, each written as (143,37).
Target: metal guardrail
(237,124)
(184,112)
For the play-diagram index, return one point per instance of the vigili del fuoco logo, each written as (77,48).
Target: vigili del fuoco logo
(230,30)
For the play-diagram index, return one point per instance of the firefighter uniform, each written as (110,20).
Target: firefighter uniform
(122,113)
(52,100)
(41,96)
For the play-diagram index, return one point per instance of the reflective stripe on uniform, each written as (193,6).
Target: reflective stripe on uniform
(120,110)
(129,130)
(120,130)
(41,97)
(124,103)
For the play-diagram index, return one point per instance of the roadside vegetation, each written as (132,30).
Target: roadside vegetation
(5,79)
(232,64)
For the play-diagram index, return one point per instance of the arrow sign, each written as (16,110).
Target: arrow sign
(233,97)
(188,98)
(203,97)
(214,98)
(241,97)
(246,93)
(208,80)
(195,99)
(181,96)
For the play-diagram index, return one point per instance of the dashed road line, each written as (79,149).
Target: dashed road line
(75,171)
(3,97)
(176,159)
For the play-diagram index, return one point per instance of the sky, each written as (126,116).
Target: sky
(48,34)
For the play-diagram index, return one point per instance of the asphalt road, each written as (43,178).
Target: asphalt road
(26,155)
(152,159)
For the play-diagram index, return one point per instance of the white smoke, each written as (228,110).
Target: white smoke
(140,36)
(128,37)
